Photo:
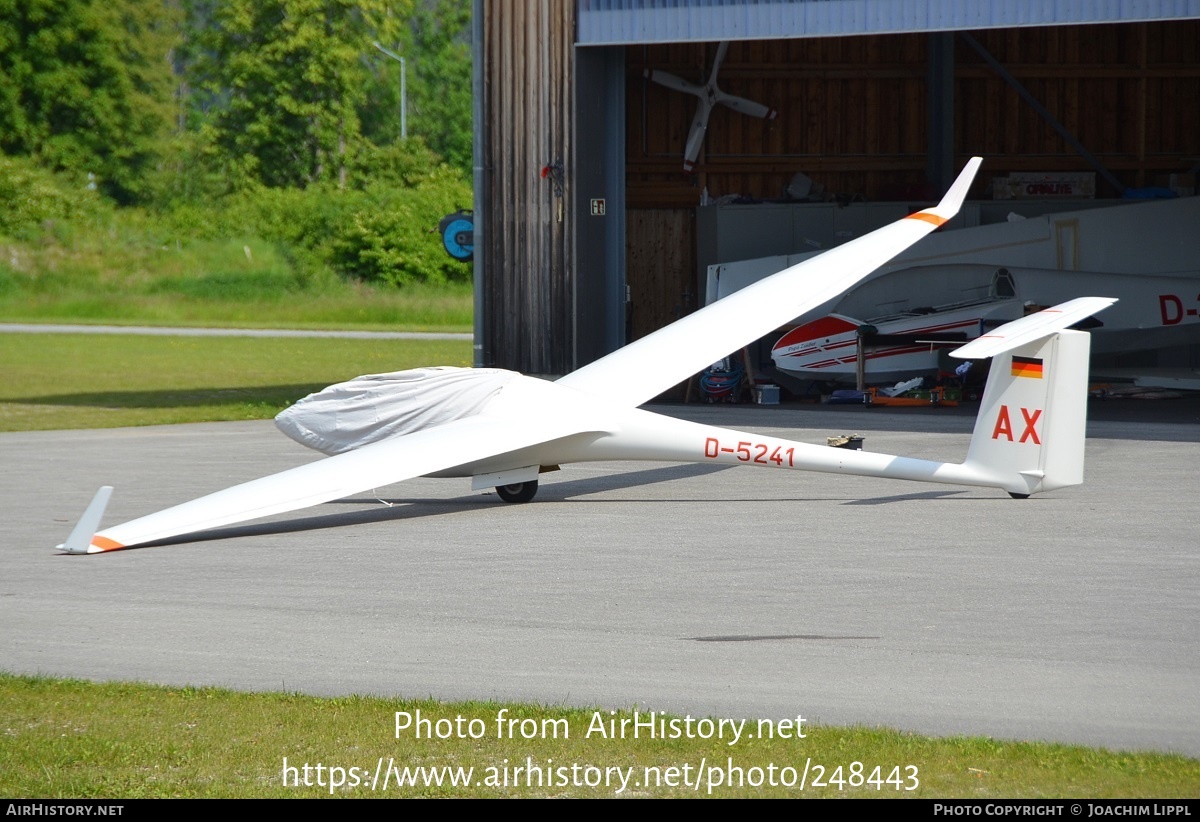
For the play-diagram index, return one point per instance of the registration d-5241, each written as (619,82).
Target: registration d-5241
(756,452)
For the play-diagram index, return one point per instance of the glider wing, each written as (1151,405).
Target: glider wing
(372,466)
(647,367)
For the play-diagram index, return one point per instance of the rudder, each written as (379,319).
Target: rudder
(1032,420)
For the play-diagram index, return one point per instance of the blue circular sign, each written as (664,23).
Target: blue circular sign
(458,236)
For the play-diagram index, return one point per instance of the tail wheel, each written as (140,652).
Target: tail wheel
(518,492)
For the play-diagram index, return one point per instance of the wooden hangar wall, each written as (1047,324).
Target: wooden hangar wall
(853,116)
(527,234)
(553,297)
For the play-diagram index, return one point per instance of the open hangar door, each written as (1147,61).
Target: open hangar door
(888,119)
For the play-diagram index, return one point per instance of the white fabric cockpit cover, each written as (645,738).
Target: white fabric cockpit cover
(376,407)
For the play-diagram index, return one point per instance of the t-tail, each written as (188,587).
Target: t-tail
(1029,435)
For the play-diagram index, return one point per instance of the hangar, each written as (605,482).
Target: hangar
(590,233)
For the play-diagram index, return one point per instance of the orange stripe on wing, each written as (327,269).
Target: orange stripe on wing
(927,217)
(106,544)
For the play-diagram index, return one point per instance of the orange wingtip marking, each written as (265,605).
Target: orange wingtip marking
(106,544)
(927,217)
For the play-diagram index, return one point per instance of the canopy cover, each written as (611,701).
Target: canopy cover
(376,407)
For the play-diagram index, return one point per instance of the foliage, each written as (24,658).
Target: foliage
(32,197)
(86,85)
(442,92)
(380,245)
(191,173)
(287,130)
(289,77)
(405,163)
(392,235)
(437,48)
(383,230)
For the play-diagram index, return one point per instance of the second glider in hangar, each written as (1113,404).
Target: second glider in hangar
(1154,312)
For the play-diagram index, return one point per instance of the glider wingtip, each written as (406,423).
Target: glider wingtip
(957,194)
(950,204)
(83,538)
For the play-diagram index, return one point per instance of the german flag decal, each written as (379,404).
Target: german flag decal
(1027,367)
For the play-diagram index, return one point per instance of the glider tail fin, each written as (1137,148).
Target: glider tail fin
(1033,416)
(1030,430)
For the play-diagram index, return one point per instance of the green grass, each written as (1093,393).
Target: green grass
(99,381)
(132,280)
(77,739)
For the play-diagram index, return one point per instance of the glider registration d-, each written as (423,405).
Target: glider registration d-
(502,429)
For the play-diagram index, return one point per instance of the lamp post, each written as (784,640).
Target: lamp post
(403,89)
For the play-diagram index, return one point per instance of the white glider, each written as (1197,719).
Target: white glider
(1028,437)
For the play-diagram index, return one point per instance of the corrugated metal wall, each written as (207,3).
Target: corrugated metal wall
(528,55)
(630,22)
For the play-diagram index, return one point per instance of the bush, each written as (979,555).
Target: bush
(381,229)
(385,231)
(392,236)
(406,163)
(31,196)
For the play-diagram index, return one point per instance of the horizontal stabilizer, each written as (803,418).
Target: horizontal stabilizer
(1032,328)
(80,541)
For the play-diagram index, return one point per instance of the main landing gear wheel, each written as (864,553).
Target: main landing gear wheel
(1018,496)
(518,492)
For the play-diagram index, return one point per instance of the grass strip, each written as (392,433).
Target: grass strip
(53,381)
(125,280)
(68,738)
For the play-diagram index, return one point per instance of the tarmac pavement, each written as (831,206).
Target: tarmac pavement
(1072,616)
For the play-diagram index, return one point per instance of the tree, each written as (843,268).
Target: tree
(286,78)
(441,48)
(85,86)
(436,45)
